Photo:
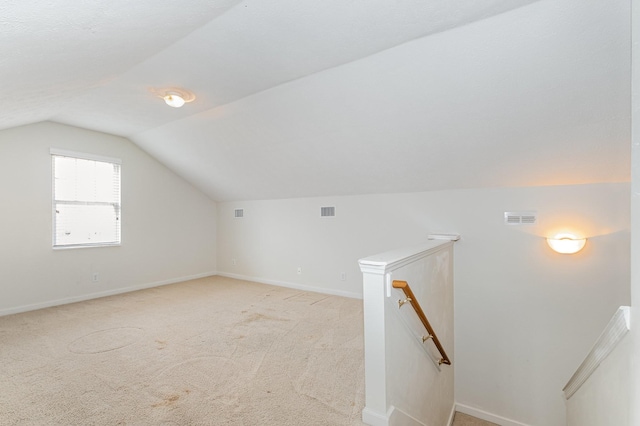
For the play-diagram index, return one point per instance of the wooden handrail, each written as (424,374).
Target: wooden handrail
(423,318)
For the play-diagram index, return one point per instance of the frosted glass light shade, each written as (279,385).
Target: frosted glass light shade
(174,100)
(566,243)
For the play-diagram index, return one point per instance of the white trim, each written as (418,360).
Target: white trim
(452,415)
(373,418)
(613,333)
(448,237)
(57,204)
(383,263)
(82,246)
(398,417)
(67,300)
(483,415)
(84,156)
(296,286)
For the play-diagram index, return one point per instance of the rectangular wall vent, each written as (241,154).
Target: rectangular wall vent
(327,211)
(238,213)
(520,218)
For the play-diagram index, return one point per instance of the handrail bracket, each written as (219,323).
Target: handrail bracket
(402,302)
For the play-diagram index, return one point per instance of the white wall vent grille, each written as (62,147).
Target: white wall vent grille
(327,211)
(520,218)
(238,213)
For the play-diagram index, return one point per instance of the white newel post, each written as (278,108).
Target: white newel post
(378,274)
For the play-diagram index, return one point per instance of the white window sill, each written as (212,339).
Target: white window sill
(81,246)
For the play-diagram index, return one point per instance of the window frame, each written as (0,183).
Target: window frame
(54,152)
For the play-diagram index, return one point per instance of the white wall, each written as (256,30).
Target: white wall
(525,316)
(168,227)
(415,386)
(635,215)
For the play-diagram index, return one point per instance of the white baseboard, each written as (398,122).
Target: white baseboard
(373,418)
(452,414)
(67,300)
(502,421)
(296,286)
(398,417)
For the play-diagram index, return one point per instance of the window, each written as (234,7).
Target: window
(86,200)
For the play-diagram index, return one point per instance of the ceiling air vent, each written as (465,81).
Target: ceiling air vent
(238,213)
(520,218)
(327,211)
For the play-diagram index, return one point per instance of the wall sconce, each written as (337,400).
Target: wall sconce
(566,243)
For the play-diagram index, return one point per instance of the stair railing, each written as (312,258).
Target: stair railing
(431,334)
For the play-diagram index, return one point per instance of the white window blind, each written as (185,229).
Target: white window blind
(86,200)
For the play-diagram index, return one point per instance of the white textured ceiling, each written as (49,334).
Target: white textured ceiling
(304,98)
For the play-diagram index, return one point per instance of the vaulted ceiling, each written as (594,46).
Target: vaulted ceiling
(302,98)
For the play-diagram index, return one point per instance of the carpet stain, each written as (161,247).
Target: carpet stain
(320,300)
(261,317)
(168,401)
(105,340)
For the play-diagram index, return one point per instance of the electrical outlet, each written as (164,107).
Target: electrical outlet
(234,262)
(343,276)
(299,270)
(95,277)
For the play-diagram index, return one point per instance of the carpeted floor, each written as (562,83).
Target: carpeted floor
(461,419)
(212,351)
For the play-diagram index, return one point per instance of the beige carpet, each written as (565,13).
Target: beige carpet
(461,419)
(213,351)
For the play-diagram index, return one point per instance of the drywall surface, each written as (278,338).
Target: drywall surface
(525,316)
(604,398)
(634,334)
(168,227)
(535,96)
(415,384)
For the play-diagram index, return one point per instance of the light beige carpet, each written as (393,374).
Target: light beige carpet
(212,351)
(461,419)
